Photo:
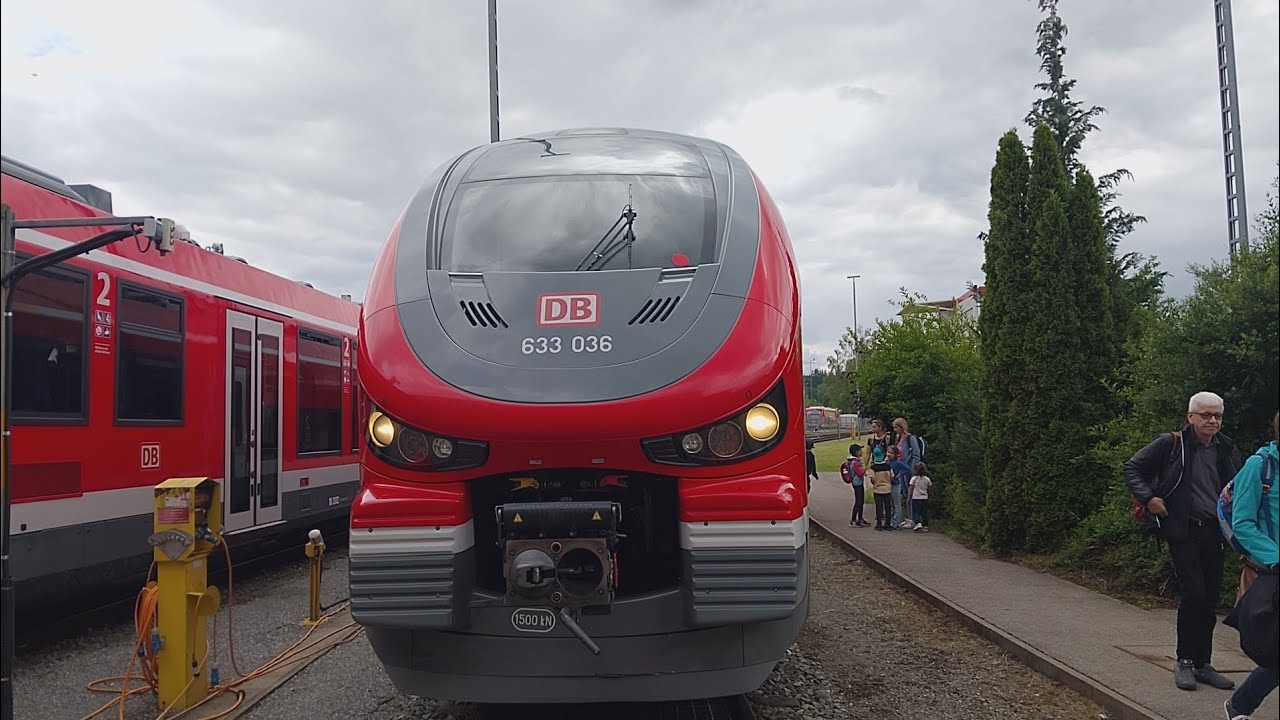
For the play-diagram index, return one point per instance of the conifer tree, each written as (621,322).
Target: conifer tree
(1093,302)
(1001,326)
(1133,280)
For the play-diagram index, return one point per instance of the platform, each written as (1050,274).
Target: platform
(1114,653)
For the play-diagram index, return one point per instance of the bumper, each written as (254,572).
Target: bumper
(649,652)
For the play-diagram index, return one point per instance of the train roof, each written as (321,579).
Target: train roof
(192,266)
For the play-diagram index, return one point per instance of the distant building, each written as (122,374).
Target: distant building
(968,304)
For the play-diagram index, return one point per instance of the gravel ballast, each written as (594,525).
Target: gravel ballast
(869,650)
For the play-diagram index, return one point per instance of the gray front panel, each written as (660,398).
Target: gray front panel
(707,662)
(470,328)
(430,590)
(743,586)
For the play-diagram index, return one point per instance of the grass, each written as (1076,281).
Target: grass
(833,452)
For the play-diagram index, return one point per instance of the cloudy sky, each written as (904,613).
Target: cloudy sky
(294,132)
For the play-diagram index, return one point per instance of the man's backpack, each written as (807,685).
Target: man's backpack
(1225,505)
(1150,524)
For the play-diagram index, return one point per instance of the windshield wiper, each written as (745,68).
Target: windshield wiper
(619,236)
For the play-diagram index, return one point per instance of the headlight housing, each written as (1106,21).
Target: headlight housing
(750,432)
(404,446)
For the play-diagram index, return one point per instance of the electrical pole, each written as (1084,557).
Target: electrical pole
(493,70)
(857,395)
(1232,147)
(163,232)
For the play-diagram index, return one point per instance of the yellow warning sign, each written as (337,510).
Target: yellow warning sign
(525,482)
(517,519)
(596,515)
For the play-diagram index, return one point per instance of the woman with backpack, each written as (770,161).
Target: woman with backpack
(1255,519)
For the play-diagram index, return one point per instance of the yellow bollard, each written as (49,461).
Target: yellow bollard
(315,552)
(188,526)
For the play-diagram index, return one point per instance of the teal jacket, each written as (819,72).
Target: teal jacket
(1254,525)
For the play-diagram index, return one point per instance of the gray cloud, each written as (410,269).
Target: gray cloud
(295,132)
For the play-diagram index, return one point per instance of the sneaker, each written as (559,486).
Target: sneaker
(1209,676)
(1184,676)
(917,527)
(1231,714)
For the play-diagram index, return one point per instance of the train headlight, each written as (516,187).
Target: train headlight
(762,422)
(748,433)
(691,443)
(381,429)
(411,448)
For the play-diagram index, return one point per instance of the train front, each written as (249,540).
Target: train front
(583,464)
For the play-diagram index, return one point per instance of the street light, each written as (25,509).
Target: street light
(493,70)
(854,278)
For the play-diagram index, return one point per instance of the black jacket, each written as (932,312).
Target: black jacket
(1157,471)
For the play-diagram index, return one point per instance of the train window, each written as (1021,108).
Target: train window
(149,362)
(49,337)
(549,224)
(319,393)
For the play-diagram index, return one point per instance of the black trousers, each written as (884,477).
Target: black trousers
(884,509)
(1197,564)
(859,498)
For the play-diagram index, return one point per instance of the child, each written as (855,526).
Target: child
(881,482)
(899,493)
(920,484)
(853,473)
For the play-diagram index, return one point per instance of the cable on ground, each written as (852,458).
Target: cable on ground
(146,618)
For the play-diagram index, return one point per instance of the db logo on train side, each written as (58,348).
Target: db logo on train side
(568,309)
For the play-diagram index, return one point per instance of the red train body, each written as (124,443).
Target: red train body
(564,459)
(130,368)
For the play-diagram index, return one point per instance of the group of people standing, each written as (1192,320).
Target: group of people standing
(894,465)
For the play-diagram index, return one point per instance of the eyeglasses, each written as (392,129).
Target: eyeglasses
(1209,415)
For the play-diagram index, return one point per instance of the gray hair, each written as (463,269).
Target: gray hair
(1204,399)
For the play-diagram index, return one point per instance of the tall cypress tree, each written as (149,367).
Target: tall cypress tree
(1052,433)
(1093,302)
(1001,326)
(1133,280)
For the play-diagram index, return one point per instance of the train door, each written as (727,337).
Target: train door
(251,491)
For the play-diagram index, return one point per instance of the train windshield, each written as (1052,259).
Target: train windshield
(556,223)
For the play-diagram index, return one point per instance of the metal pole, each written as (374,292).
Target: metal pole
(1232,148)
(493,70)
(160,232)
(8,245)
(854,278)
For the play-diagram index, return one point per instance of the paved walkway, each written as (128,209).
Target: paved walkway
(1118,655)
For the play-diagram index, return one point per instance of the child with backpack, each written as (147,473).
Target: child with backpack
(852,472)
(899,490)
(919,493)
(1249,516)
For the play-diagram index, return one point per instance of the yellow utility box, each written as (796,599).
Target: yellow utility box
(188,528)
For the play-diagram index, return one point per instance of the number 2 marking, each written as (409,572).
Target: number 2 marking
(104,297)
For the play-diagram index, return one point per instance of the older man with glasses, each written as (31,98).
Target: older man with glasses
(1178,477)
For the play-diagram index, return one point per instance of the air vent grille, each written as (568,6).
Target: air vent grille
(655,310)
(481,314)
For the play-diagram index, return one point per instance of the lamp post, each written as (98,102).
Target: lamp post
(854,278)
(493,70)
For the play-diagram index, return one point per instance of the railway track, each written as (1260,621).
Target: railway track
(826,435)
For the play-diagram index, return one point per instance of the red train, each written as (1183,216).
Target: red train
(633,525)
(130,369)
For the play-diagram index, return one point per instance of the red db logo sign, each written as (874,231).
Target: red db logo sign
(565,309)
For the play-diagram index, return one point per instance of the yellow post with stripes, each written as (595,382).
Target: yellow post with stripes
(187,529)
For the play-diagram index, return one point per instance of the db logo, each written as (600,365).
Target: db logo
(150,456)
(564,309)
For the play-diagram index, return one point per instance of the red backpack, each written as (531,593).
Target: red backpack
(850,468)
